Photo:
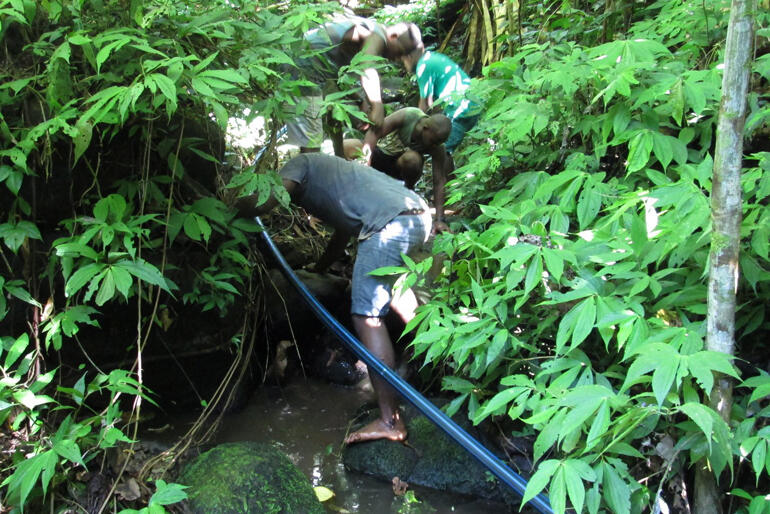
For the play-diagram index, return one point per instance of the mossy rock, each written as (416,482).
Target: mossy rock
(247,478)
(429,459)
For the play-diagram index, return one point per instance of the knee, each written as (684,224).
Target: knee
(410,166)
(366,322)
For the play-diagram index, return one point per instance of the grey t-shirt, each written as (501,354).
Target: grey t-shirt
(328,38)
(350,197)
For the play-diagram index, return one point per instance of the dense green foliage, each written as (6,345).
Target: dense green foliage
(248,477)
(574,304)
(573,300)
(113,170)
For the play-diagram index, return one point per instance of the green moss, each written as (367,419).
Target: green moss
(380,458)
(247,478)
(431,459)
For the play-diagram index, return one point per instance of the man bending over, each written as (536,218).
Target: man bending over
(388,220)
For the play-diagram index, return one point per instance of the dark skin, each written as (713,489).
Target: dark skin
(359,39)
(425,135)
(371,330)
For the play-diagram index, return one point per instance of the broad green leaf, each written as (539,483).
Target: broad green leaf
(585,312)
(517,253)
(77,315)
(534,273)
(589,204)
(599,426)
(639,285)
(554,262)
(616,492)
(694,93)
(323,493)
(205,228)
(226,75)
(202,88)
(82,136)
(76,250)
(70,450)
(759,505)
(31,400)
(661,147)
(122,280)
(703,364)
(575,489)
(548,434)
(107,288)
(647,358)
(191,227)
(81,277)
(16,350)
(498,401)
(106,50)
(758,458)
(111,436)
(145,271)
(497,346)
(639,148)
(557,491)
(663,378)
(167,494)
(27,472)
(165,85)
(540,479)
(702,416)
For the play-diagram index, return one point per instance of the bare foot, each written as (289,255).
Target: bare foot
(379,429)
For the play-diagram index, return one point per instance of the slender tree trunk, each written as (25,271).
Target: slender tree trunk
(726,220)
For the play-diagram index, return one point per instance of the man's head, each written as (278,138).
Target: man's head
(434,130)
(403,40)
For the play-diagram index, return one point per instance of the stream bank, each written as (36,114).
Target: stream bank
(307,419)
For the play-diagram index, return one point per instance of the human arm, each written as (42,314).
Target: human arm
(425,88)
(372,45)
(391,123)
(441,164)
(426,103)
(334,250)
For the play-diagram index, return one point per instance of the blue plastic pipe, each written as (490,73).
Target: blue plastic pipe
(444,422)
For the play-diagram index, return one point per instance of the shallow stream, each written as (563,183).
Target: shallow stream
(308,420)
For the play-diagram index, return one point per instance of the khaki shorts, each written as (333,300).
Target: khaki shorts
(305,129)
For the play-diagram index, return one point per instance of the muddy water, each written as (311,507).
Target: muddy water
(308,419)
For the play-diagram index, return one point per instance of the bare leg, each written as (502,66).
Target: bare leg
(404,304)
(409,167)
(374,335)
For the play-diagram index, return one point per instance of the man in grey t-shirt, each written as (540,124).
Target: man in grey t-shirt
(388,220)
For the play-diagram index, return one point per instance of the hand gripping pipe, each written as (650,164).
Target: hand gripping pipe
(444,422)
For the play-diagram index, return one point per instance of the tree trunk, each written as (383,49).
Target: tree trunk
(726,220)
(491,32)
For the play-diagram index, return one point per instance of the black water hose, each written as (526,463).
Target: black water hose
(444,422)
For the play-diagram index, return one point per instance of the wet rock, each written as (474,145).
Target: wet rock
(247,478)
(429,458)
(289,314)
(337,365)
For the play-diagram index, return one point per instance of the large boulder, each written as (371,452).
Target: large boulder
(429,458)
(247,478)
